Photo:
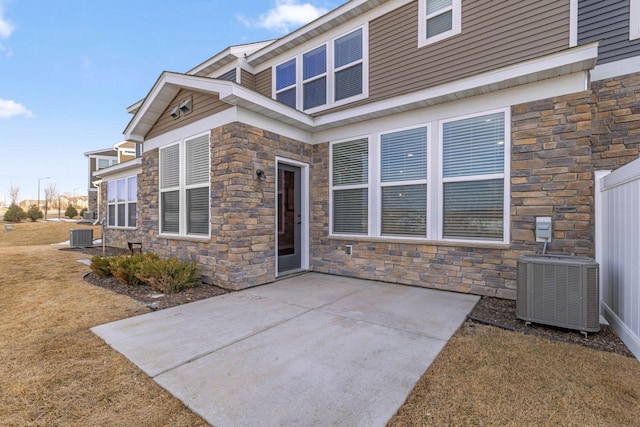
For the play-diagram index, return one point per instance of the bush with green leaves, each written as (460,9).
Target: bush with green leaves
(15,214)
(100,266)
(170,275)
(71,212)
(34,213)
(126,267)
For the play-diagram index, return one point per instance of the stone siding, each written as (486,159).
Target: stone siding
(93,202)
(241,252)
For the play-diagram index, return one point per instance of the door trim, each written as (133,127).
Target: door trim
(304,210)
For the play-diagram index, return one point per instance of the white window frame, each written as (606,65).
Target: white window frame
(111,161)
(182,189)
(351,187)
(456,22)
(330,73)
(634,19)
(126,203)
(505,176)
(377,194)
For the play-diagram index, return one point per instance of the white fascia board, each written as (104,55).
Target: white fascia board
(626,173)
(568,61)
(132,109)
(320,26)
(227,56)
(131,165)
(100,152)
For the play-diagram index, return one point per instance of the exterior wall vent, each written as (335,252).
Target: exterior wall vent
(81,238)
(559,290)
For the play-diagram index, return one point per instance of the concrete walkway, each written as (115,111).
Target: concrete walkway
(310,350)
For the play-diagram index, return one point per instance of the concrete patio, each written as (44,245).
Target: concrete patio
(309,350)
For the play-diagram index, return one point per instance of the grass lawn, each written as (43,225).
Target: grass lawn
(54,371)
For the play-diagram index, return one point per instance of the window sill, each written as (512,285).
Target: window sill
(185,238)
(410,241)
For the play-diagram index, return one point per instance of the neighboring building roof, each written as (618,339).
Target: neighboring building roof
(102,152)
(117,168)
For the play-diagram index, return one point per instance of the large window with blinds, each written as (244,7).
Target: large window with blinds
(403,182)
(184,187)
(400,184)
(473,177)
(350,187)
(439,19)
(327,75)
(122,195)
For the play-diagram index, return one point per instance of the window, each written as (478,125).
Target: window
(403,179)
(105,163)
(473,178)
(439,19)
(286,83)
(331,74)
(349,182)
(184,187)
(634,20)
(122,197)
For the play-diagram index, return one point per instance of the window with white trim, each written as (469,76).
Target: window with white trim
(473,177)
(105,163)
(439,19)
(184,187)
(122,197)
(634,20)
(403,181)
(328,75)
(350,187)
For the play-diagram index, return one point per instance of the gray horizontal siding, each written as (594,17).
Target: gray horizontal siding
(607,21)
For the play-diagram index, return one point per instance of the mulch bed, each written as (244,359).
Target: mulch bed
(493,311)
(502,313)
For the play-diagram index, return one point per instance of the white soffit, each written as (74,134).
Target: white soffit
(119,168)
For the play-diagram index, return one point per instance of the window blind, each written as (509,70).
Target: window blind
(474,146)
(348,82)
(197,153)
(314,62)
(404,210)
(436,5)
(348,49)
(315,93)
(439,24)
(351,162)
(170,167)
(474,209)
(198,210)
(286,74)
(288,97)
(131,214)
(170,212)
(350,211)
(404,155)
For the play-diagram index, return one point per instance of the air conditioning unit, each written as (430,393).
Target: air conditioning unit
(559,290)
(81,238)
(88,216)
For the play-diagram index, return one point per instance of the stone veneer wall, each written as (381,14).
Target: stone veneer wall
(241,252)
(92,203)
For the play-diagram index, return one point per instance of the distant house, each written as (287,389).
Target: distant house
(97,160)
(409,141)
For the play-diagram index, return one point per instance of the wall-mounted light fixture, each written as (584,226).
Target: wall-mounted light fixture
(175,112)
(260,174)
(185,106)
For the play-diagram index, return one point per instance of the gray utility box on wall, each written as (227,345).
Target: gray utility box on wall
(81,238)
(559,290)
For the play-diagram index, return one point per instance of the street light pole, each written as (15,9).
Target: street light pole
(75,202)
(40,179)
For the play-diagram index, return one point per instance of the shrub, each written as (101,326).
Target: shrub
(14,213)
(100,266)
(81,213)
(169,276)
(126,267)
(34,213)
(70,212)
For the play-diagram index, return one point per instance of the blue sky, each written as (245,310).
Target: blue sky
(69,69)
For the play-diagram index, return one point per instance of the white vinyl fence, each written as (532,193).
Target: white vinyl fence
(618,250)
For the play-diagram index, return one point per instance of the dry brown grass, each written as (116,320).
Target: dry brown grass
(40,232)
(488,376)
(53,370)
